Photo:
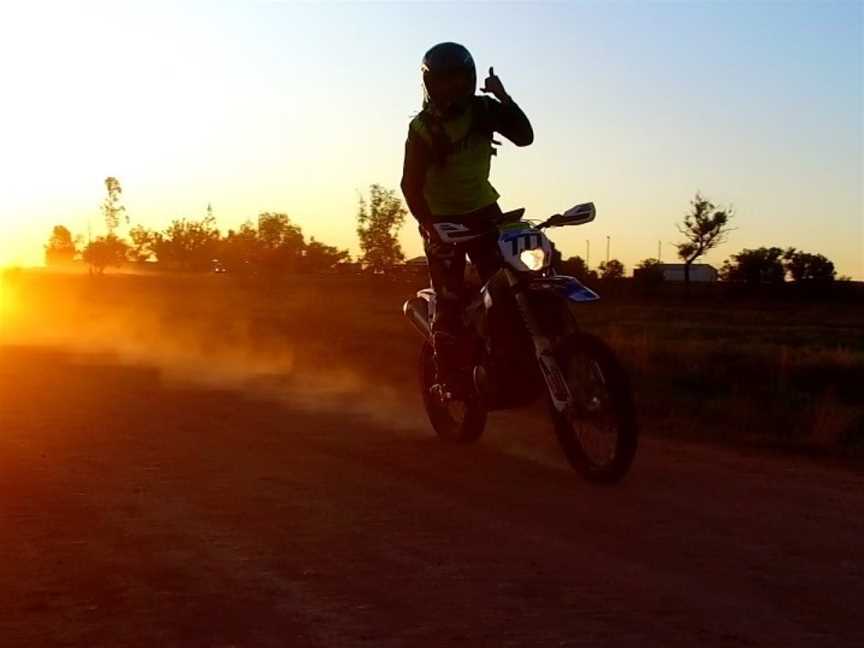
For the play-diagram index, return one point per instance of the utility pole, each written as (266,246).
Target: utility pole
(608,239)
(659,250)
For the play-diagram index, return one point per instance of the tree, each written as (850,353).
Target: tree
(141,249)
(378,223)
(576,267)
(105,251)
(763,265)
(804,266)
(319,257)
(240,251)
(281,243)
(112,210)
(649,272)
(187,244)
(613,269)
(704,228)
(60,249)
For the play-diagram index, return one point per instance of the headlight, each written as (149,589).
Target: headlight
(533,259)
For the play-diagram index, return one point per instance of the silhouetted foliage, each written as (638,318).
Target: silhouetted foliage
(649,273)
(763,265)
(141,247)
(281,243)
(378,223)
(105,251)
(576,267)
(239,251)
(112,210)
(704,228)
(804,266)
(613,269)
(274,247)
(60,249)
(187,244)
(318,257)
(557,259)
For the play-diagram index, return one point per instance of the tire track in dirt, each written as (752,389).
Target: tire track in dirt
(139,512)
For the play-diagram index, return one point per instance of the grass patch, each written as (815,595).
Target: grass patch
(784,373)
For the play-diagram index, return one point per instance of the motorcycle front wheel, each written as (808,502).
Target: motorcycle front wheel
(455,421)
(599,436)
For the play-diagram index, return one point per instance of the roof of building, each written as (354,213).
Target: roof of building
(680,266)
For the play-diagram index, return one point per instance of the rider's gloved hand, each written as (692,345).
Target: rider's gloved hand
(493,86)
(430,234)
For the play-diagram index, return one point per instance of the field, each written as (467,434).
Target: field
(785,373)
(194,460)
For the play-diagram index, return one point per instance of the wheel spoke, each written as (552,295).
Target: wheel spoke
(593,421)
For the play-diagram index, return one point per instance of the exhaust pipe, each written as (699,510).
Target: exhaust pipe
(416,310)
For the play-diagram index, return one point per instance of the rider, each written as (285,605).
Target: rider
(445,177)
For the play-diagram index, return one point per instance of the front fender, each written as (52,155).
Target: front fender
(568,287)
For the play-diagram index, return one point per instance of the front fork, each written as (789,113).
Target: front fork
(559,392)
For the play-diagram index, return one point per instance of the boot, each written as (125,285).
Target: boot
(453,378)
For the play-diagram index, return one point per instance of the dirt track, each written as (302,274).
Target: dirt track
(136,512)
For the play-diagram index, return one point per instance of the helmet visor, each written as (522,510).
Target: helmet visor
(449,88)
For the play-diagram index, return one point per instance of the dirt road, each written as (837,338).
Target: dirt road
(137,512)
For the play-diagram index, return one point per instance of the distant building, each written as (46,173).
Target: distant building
(701,272)
(417,265)
(418,261)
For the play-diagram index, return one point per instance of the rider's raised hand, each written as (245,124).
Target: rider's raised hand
(493,86)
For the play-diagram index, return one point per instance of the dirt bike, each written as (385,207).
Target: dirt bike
(523,342)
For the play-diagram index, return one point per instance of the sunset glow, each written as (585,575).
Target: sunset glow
(248,399)
(297,108)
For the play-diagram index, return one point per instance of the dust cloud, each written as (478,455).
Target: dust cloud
(207,332)
(325,346)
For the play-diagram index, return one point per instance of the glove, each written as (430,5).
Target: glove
(430,234)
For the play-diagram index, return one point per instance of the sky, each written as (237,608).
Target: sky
(298,108)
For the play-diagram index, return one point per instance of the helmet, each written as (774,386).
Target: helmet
(449,78)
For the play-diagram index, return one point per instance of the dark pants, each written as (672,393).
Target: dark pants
(447,272)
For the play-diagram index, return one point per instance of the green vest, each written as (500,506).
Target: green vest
(461,184)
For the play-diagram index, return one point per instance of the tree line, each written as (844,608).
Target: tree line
(759,266)
(271,245)
(704,228)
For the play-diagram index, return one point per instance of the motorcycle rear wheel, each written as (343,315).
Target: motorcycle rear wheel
(600,437)
(457,421)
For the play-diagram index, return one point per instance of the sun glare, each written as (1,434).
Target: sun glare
(4,302)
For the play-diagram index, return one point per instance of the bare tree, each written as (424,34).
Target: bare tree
(704,228)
